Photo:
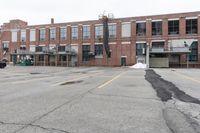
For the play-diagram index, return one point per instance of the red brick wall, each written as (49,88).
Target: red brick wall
(118,49)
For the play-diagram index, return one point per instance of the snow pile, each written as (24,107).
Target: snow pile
(139,65)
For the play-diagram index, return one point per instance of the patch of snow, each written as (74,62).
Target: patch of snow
(138,65)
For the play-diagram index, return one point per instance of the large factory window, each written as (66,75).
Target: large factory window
(86,51)
(112,30)
(157,28)
(98,50)
(191,26)
(173,27)
(141,29)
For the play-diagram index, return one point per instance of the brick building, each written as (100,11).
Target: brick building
(161,41)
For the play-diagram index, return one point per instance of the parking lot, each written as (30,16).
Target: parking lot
(98,100)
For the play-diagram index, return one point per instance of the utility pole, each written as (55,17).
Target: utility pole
(147,55)
(187,60)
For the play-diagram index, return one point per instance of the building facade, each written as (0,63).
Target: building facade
(170,40)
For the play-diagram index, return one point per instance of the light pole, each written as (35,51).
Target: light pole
(147,56)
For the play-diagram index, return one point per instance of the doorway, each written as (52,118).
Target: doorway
(123,61)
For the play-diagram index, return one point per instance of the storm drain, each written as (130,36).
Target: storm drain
(166,90)
(72,82)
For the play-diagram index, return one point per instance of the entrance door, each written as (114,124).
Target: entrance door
(123,61)
(52,60)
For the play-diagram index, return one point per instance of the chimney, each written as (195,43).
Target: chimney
(52,20)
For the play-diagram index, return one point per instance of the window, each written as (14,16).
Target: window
(86,32)
(41,57)
(191,26)
(157,28)
(63,33)
(53,34)
(14,36)
(112,30)
(126,29)
(32,48)
(42,34)
(98,31)
(158,44)
(61,48)
(98,50)
(5,46)
(173,27)
(74,33)
(86,51)
(23,35)
(32,35)
(140,48)
(39,49)
(193,56)
(62,58)
(141,29)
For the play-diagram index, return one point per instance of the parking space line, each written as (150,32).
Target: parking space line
(109,81)
(187,77)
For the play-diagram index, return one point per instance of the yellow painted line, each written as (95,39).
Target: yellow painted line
(109,81)
(187,77)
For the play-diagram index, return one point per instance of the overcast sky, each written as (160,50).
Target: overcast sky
(40,11)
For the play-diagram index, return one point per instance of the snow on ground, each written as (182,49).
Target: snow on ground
(138,65)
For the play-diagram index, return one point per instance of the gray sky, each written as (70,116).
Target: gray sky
(40,11)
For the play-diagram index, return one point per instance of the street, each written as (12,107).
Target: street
(99,100)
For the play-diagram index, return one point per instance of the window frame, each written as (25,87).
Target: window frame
(86,32)
(74,33)
(52,34)
(42,35)
(173,29)
(63,33)
(98,50)
(156,28)
(98,31)
(112,28)
(139,29)
(85,53)
(190,26)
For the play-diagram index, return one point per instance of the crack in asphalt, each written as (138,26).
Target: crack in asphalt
(108,95)
(32,125)
(80,96)
(170,128)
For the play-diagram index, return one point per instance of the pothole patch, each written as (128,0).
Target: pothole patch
(166,90)
(71,82)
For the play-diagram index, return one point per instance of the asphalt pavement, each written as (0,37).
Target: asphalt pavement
(91,100)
